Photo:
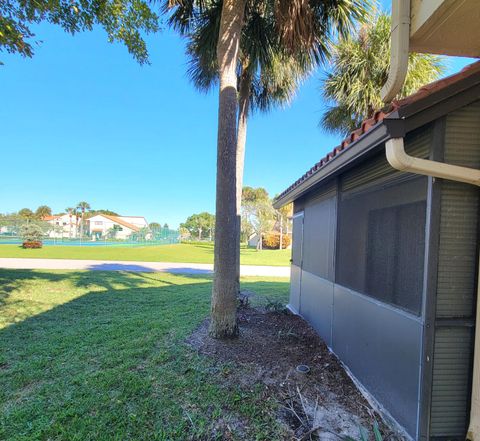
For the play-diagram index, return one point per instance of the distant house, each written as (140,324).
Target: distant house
(63,226)
(385,254)
(253,240)
(103,226)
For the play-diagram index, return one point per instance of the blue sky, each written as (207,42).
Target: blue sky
(83,121)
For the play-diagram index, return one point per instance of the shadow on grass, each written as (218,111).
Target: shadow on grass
(207,246)
(109,363)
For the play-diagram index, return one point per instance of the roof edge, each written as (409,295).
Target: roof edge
(381,132)
(409,109)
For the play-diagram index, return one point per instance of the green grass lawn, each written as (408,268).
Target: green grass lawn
(101,356)
(189,253)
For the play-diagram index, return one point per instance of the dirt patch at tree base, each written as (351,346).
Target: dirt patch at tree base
(324,401)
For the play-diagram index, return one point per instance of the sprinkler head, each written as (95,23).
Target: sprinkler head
(303,369)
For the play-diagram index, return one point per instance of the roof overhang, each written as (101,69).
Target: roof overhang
(388,128)
(445,27)
(412,114)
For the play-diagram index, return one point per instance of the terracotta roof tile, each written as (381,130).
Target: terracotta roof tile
(381,114)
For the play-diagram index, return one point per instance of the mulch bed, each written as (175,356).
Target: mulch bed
(270,347)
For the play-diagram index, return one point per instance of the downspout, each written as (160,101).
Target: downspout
(399,38)
(400,160)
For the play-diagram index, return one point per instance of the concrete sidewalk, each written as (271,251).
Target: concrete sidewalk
(125,265)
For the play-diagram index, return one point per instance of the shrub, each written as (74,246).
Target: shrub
(271,240)
(31,232)
(275,306)
(32,244)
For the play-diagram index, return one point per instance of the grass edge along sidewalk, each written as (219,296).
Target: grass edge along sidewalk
(192,253)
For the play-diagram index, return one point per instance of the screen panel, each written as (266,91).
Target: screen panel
(381,243)
(319,237)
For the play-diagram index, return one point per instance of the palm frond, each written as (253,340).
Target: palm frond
(202,48)
(338,121)
(360,64)
(182,15)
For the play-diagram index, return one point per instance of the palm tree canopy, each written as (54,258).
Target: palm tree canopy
(26,213)
(42,211)
(358,71)
(273,73)
(83,205)
(295,25)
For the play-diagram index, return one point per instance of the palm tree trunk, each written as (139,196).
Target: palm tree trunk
(243,102)
(225,286)
(82,224)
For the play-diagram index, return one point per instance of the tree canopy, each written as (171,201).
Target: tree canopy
(26,213)
(272,74)
(92,213)
(258,214)
(123,20)
(200,225)
(358,71)
(155,226)
(42,211)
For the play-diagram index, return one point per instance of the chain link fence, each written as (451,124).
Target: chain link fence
(51,234)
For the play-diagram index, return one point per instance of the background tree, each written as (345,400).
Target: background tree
(92,213)
(300,25)
(26,213)
(123,20)
(283,216)
(155,226)
(200,225)
(165,225)
(360,68)
(42,211)
(257,211)
(184,233)
(57,230)
(70,211)
(77,215)
(82,206)
(112,232)
(32,231)
(12,222)
(142,235)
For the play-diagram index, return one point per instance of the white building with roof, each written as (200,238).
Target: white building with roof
(102,226)
(63,226)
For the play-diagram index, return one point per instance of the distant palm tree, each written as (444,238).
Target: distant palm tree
(43,211)
(70,212)
(83,206)
(360,68)
(26,213)
(300,25)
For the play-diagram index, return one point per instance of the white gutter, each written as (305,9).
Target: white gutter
(400,160)
(400,37)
